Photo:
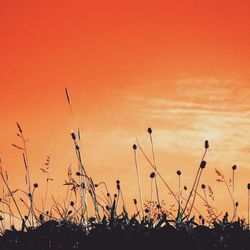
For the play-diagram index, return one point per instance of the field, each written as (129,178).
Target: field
(93,218)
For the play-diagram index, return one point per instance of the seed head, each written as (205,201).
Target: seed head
(203,186)
(248,186)
(134,147)
(73,135)
(146,210)
(96,185)
(152,175)
(158,206)
(236,203)
(117,182)
(72,203)
(185,188)
(206,144)
(135,201)
(108,207)
(115,195)
(35,185)
(203,164)
(178,172)
(234,167)
(150,130)
(108,194)
(78,173)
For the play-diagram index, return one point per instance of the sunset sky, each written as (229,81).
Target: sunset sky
(180,67)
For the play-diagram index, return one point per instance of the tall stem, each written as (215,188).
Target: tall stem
(139,183)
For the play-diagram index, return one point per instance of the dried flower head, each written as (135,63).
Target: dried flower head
(35,185)
(150,130)
(152,175)
(135,201)
(236,203)
(203,164)
(72,203)
(234,167)
(134,147)
(73,135)
(206,144)
(248,186)
(78,173)
(185,188)
(178,172)
(203,186)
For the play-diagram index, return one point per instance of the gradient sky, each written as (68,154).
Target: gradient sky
(181,67)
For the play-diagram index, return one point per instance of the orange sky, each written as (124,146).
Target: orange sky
(181,67)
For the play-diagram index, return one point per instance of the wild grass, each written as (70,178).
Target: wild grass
(90,205)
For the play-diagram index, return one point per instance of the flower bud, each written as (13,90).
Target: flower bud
(150,130)
(234,167)
(152,175)
(203,164)
(73,136)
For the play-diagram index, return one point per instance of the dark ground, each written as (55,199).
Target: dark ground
(65,235)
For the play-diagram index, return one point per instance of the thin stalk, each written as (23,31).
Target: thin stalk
(194,184)
(14,200)
(151,198)
(195,191)
(139,182)
(248,208)
(153,154)
(158,173)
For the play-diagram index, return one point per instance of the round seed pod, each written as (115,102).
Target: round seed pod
(203,164)
(234,167)
(178,172)
(152,175)
(150,130)
(203,186)
(134,147)
(248,186)
(35,185)
(206,144)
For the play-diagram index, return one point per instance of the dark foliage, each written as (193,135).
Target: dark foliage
(128,234)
